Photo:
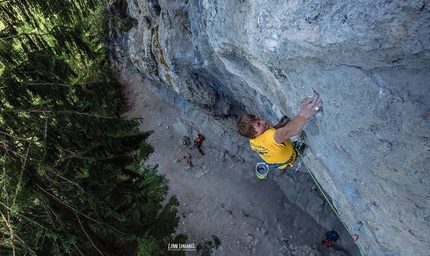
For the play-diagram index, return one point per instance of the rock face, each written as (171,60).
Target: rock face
(369,61)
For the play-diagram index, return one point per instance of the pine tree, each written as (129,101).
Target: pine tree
(71,181)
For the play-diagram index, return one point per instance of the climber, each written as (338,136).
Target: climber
(272,142)
(330,238)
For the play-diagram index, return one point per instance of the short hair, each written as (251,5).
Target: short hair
(245,126)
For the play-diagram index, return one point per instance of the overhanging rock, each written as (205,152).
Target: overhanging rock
(370,62)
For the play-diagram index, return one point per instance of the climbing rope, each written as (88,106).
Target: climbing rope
(353,236)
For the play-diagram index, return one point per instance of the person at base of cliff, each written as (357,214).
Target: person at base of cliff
(272,142)
(330,238)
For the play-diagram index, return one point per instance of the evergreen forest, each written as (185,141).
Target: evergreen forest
(72,179)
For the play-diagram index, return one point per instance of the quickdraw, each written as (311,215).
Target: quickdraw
(360,224)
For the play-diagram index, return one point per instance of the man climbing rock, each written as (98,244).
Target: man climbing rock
(272,142)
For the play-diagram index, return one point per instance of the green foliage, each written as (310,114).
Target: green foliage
(149,247)
(152,246)
(208,245)
(70,178)
(144,151)
(167,220)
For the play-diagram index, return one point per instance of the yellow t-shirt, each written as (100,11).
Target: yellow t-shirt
(271,151)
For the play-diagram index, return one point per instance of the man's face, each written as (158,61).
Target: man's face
(261,126)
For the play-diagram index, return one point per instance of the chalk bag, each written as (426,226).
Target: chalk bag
(261,170)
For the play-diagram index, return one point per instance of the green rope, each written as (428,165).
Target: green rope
(328,201)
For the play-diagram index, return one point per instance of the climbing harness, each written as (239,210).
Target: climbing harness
(262,169)
(292,157)
(355,236)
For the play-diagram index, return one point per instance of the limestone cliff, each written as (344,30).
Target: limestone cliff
(369,61)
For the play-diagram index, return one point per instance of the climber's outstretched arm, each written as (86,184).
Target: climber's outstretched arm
(309,107)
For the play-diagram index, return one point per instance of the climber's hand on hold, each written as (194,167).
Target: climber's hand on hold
(310,106)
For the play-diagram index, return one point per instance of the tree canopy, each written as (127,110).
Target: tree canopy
(70,178)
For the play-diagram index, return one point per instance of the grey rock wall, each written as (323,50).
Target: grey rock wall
(369,61)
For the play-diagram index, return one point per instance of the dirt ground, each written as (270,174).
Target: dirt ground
(219,196)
